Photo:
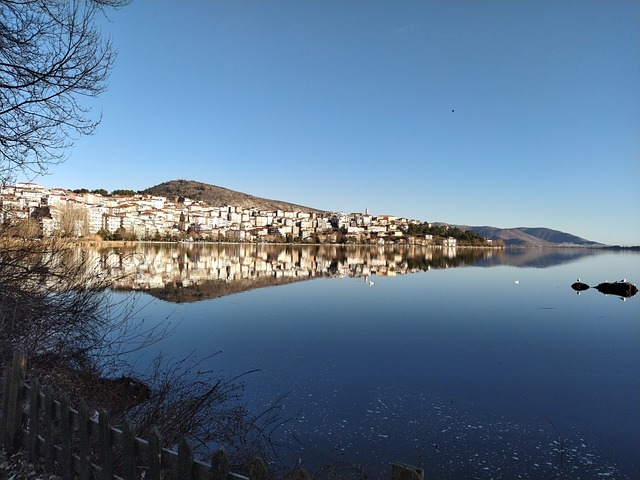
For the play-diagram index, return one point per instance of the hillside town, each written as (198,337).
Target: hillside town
(59,212)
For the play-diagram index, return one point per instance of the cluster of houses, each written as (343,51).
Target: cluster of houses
(57,211)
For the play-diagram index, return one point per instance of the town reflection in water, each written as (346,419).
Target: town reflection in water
(190,272)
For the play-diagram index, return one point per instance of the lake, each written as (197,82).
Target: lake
(466,363)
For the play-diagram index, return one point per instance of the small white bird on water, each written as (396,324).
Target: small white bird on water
(516,282)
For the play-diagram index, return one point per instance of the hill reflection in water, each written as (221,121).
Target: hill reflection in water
(495,370)
(192,272)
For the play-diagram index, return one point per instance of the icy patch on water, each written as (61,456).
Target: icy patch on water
(446,440)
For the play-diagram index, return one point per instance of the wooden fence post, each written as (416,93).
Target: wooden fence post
(129,458)
(65,438)
(34,420)
(12,406)
(5,405)
(185,461)
(301,474)
(219,465)
(258,470)
(155,455)
(84,442)
(48,423)
(401,471)
(106,454)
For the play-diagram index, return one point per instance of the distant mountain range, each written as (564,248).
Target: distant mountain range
(214,195)
(530,236)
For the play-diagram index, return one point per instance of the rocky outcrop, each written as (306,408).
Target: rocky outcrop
(621,289)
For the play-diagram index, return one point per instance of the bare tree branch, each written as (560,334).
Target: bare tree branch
(51,56)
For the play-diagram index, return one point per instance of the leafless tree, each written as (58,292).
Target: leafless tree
(53,61)
(53,306)
(51,301)
(51,57)
(73,221)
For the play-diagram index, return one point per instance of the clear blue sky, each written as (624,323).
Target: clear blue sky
(502,113)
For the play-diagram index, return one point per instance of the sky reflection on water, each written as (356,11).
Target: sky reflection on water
(461,371)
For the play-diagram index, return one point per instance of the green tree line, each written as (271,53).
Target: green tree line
(468,237)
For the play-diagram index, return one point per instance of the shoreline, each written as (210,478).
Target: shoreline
(129,243)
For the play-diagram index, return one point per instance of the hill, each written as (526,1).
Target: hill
(219,196)
(531,236)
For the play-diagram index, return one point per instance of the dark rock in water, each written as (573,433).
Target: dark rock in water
(622,289)
(579,286)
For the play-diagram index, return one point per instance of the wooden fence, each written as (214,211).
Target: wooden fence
(83,447)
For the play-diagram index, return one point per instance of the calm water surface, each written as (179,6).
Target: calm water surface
(493,369)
